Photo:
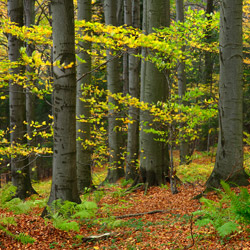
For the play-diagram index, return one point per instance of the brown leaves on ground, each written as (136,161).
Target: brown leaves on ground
(172,229)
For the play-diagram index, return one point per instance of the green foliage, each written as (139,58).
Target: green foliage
(63,224)
(23,238)
(6,193)
(86,209)
(19,206)
(8,220)
(194,172)
(64,213)
(227,215)
(218,215)
(240,204)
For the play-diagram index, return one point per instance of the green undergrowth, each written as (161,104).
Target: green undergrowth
(194,172)
(228,215)
(231,213)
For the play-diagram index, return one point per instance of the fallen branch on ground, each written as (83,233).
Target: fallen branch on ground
(140,214)
(97,237)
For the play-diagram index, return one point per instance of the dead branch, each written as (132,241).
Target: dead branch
(141,214)
(98,237)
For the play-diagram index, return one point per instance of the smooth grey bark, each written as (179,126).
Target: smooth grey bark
(29,17)
(229,157)
(115,139)
(83,153)
(154,160)
(128,21)
(19,164)
(181,74)
(208,67)
(119,12)
(134,91)
(64,179)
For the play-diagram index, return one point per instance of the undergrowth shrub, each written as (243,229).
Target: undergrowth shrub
(229,214)
(68,216)
(23,238)
(6,193)
(63,214)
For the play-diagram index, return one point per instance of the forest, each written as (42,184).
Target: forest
(124,124)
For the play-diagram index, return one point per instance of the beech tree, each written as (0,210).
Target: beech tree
(208,67)
(19,163)
(133,18)
(229,156)
(114,84)
(29,14)
(184,146)
(154,162)
(83,156)
(64,179)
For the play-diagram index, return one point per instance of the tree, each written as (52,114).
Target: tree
(29,14)
(83,155)
(134,90)
(208,68)
(154,162)
(64,180)
(229,157)
(19,163)
(114,83)
(184,147)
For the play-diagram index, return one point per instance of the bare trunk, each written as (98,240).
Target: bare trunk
(64,180)
(184,147)
(29,10)
(208,69)
(19,163)
(115,139)
(154,163)
(83,157)
(229,157)
(134,91)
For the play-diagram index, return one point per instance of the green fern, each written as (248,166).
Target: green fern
(17,206)
(69,226)
(240,204)
(8,220)
(23,238)
(63,224)
(228,228)
(228,214)
(6,193)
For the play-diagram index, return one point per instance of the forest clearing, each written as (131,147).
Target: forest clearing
(125,217)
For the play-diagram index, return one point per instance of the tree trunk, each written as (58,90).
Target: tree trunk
(208,68)
(184,146)
(154,163)
(116,169)
(229,157)
(19,163)
(64,180)
(83,156)
(134,91)
(128,21)
(29,11)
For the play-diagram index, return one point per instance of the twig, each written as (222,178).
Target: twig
(97,237)
(191,232)
(140,214)
(111,59)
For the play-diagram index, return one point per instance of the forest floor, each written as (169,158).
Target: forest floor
(134,220)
